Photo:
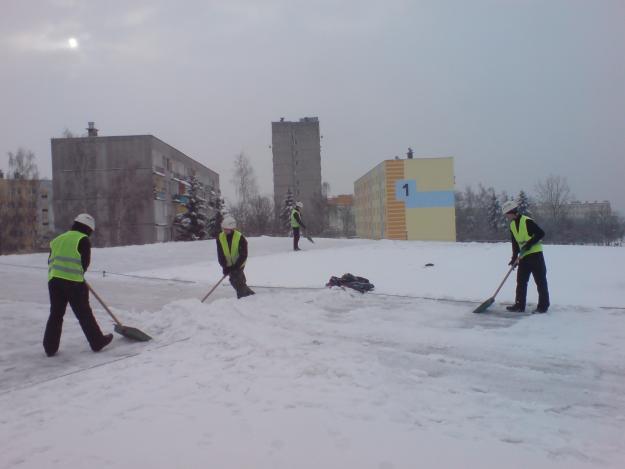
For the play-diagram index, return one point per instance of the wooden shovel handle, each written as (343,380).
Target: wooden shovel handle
(503,281)
(213,289)
(117,321)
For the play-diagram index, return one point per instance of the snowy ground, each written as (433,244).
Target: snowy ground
(307,377)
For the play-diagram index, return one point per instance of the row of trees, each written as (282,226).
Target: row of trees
(479,217)
(478,212)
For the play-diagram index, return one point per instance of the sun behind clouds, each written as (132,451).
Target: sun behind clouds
(72,42)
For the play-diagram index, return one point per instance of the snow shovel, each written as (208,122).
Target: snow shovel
(481,308)
(127,331)
(309,239)
(213,289)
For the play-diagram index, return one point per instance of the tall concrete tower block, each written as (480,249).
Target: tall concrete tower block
(296,150)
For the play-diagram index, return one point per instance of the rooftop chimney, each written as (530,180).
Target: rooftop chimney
(410,154)
(91,130)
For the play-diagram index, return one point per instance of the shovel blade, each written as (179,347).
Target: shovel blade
(310,239)
(132,333)
(481,308)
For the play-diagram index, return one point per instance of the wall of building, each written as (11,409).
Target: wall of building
(370,201)
(45,213)
(108,177)
(407,199)
(430,205)
(171,170)
(395,208)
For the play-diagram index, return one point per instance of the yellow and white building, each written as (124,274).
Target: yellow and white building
(409,199)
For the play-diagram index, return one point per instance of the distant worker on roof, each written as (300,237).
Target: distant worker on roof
(232,255)
(296,223)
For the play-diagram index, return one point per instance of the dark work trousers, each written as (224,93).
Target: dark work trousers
(77,295)
(239,282)
(533,264)
(296,238)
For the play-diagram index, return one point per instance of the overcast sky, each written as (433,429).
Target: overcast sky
(514,90)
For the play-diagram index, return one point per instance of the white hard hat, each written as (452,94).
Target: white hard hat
(228,223)
(86,219)
(509,205)
(299,204)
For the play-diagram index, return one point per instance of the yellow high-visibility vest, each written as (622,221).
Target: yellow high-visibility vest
(65,261)
(522,236)
(230,252)
(294,223)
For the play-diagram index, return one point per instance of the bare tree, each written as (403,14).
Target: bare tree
(259,221)
(345,215)
(602,227)
(124,205)
(22,165)
(68,133)
(244,179)
(554,197)
(246,188)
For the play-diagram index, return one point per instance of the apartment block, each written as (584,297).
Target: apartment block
(133,185)
(411,199)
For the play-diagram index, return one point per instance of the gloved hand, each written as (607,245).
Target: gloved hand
(514,261)
(226,270)
(526,247)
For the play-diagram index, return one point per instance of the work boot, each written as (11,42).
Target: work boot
(106,339)
(516,308)
(247,292)
(539,310)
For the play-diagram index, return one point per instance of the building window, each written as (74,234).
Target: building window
(167,163)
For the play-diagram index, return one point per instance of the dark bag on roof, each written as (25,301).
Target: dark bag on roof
(355,282)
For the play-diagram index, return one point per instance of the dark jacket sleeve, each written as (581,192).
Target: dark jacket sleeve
(220,254)
(536,233)
(242,253)
(515,246)
(84,248)
(298,217)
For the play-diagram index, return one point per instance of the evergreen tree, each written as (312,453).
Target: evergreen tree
(216,204)
(524,203)
(495,217)
(192,224)
(285,213)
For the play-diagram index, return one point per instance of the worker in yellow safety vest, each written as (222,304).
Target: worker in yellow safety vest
(232,255)
(296,223)
(70,256)
(527,254)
